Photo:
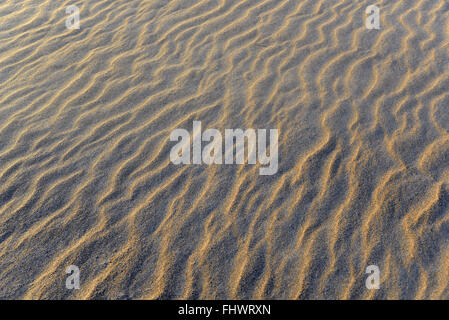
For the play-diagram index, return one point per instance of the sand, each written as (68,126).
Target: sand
(85,171)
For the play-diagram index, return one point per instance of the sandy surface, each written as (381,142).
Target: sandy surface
(86,178)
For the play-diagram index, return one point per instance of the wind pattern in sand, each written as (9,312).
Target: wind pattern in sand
(86,179)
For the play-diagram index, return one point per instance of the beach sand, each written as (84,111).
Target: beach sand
(85,171)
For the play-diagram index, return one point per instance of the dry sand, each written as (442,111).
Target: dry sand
(86,179)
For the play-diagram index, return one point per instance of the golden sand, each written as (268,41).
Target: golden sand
(86,178)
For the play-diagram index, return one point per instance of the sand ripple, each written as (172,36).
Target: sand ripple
(85,175)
